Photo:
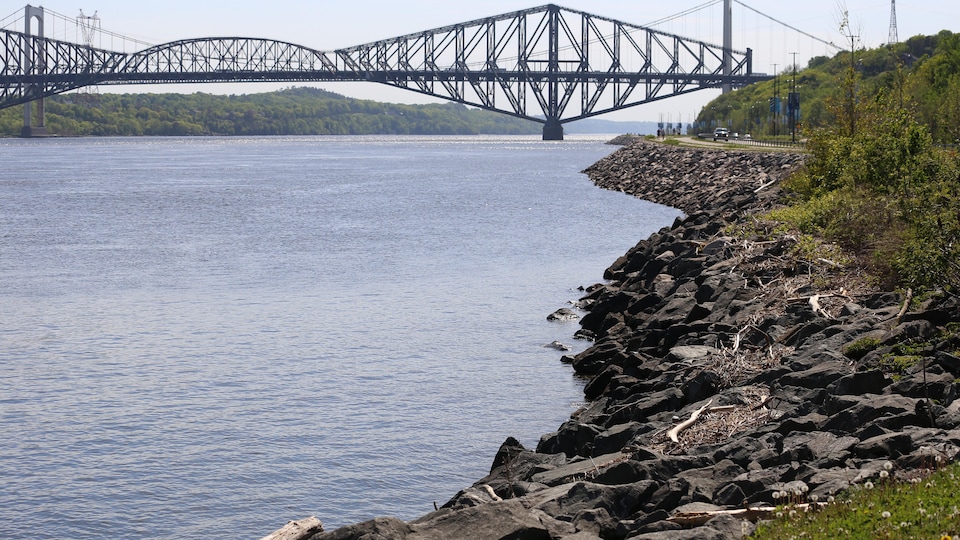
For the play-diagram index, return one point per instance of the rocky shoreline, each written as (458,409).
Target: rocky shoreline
(724,369)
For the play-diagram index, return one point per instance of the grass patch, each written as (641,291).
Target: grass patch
(925,504)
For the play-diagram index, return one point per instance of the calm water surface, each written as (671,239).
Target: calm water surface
(206,338)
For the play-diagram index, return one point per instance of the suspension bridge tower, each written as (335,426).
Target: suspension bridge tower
(33,63)
(727,43)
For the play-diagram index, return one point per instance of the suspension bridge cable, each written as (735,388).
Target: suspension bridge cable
(683,13)
(12,20)
(795,29)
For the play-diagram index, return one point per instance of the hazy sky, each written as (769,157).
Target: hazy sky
(329,25)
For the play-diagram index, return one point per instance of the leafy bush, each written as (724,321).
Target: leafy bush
(885,193)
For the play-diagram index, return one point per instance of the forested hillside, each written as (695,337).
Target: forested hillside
(295,111)
(923,73)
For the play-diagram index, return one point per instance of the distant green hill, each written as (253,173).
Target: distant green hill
(295,111)
(924,71)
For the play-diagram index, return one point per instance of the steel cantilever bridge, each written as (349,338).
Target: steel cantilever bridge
(547,64)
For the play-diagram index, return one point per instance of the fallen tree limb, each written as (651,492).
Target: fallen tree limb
(906,305)
(675,431)
(815,306)
(696,519)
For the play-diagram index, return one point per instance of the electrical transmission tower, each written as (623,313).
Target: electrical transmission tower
(893,23)
(89,28)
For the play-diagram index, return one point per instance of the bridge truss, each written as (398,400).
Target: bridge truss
(548,64)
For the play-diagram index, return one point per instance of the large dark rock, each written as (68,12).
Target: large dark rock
(691,315)
(385,528)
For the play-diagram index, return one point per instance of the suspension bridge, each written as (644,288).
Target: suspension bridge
(548,64)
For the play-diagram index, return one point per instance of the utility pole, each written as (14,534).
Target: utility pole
(775,102)
(793,102)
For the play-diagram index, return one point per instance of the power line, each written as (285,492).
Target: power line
(795,29)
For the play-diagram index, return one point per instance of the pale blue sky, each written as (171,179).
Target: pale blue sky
(329,25)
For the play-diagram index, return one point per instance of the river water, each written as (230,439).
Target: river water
(208,337)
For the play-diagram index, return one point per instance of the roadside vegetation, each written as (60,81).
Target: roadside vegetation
(882,180)
(881,186)
(295,111)
(924,70)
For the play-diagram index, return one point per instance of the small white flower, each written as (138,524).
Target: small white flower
(884,474)
(868,485)
(814,498)
(776,495)
(888,466)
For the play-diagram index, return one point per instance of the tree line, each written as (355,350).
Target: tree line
(293,111)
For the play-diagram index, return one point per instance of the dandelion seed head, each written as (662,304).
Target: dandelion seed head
(888,466)
(884,474)
(868,485)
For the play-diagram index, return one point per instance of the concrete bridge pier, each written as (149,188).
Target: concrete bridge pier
(553,131)
(31,129)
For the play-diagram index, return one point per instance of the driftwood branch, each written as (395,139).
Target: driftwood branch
(815,306)
(493,495)
(696,519)
(675,431)
(906,305)
(297,530)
